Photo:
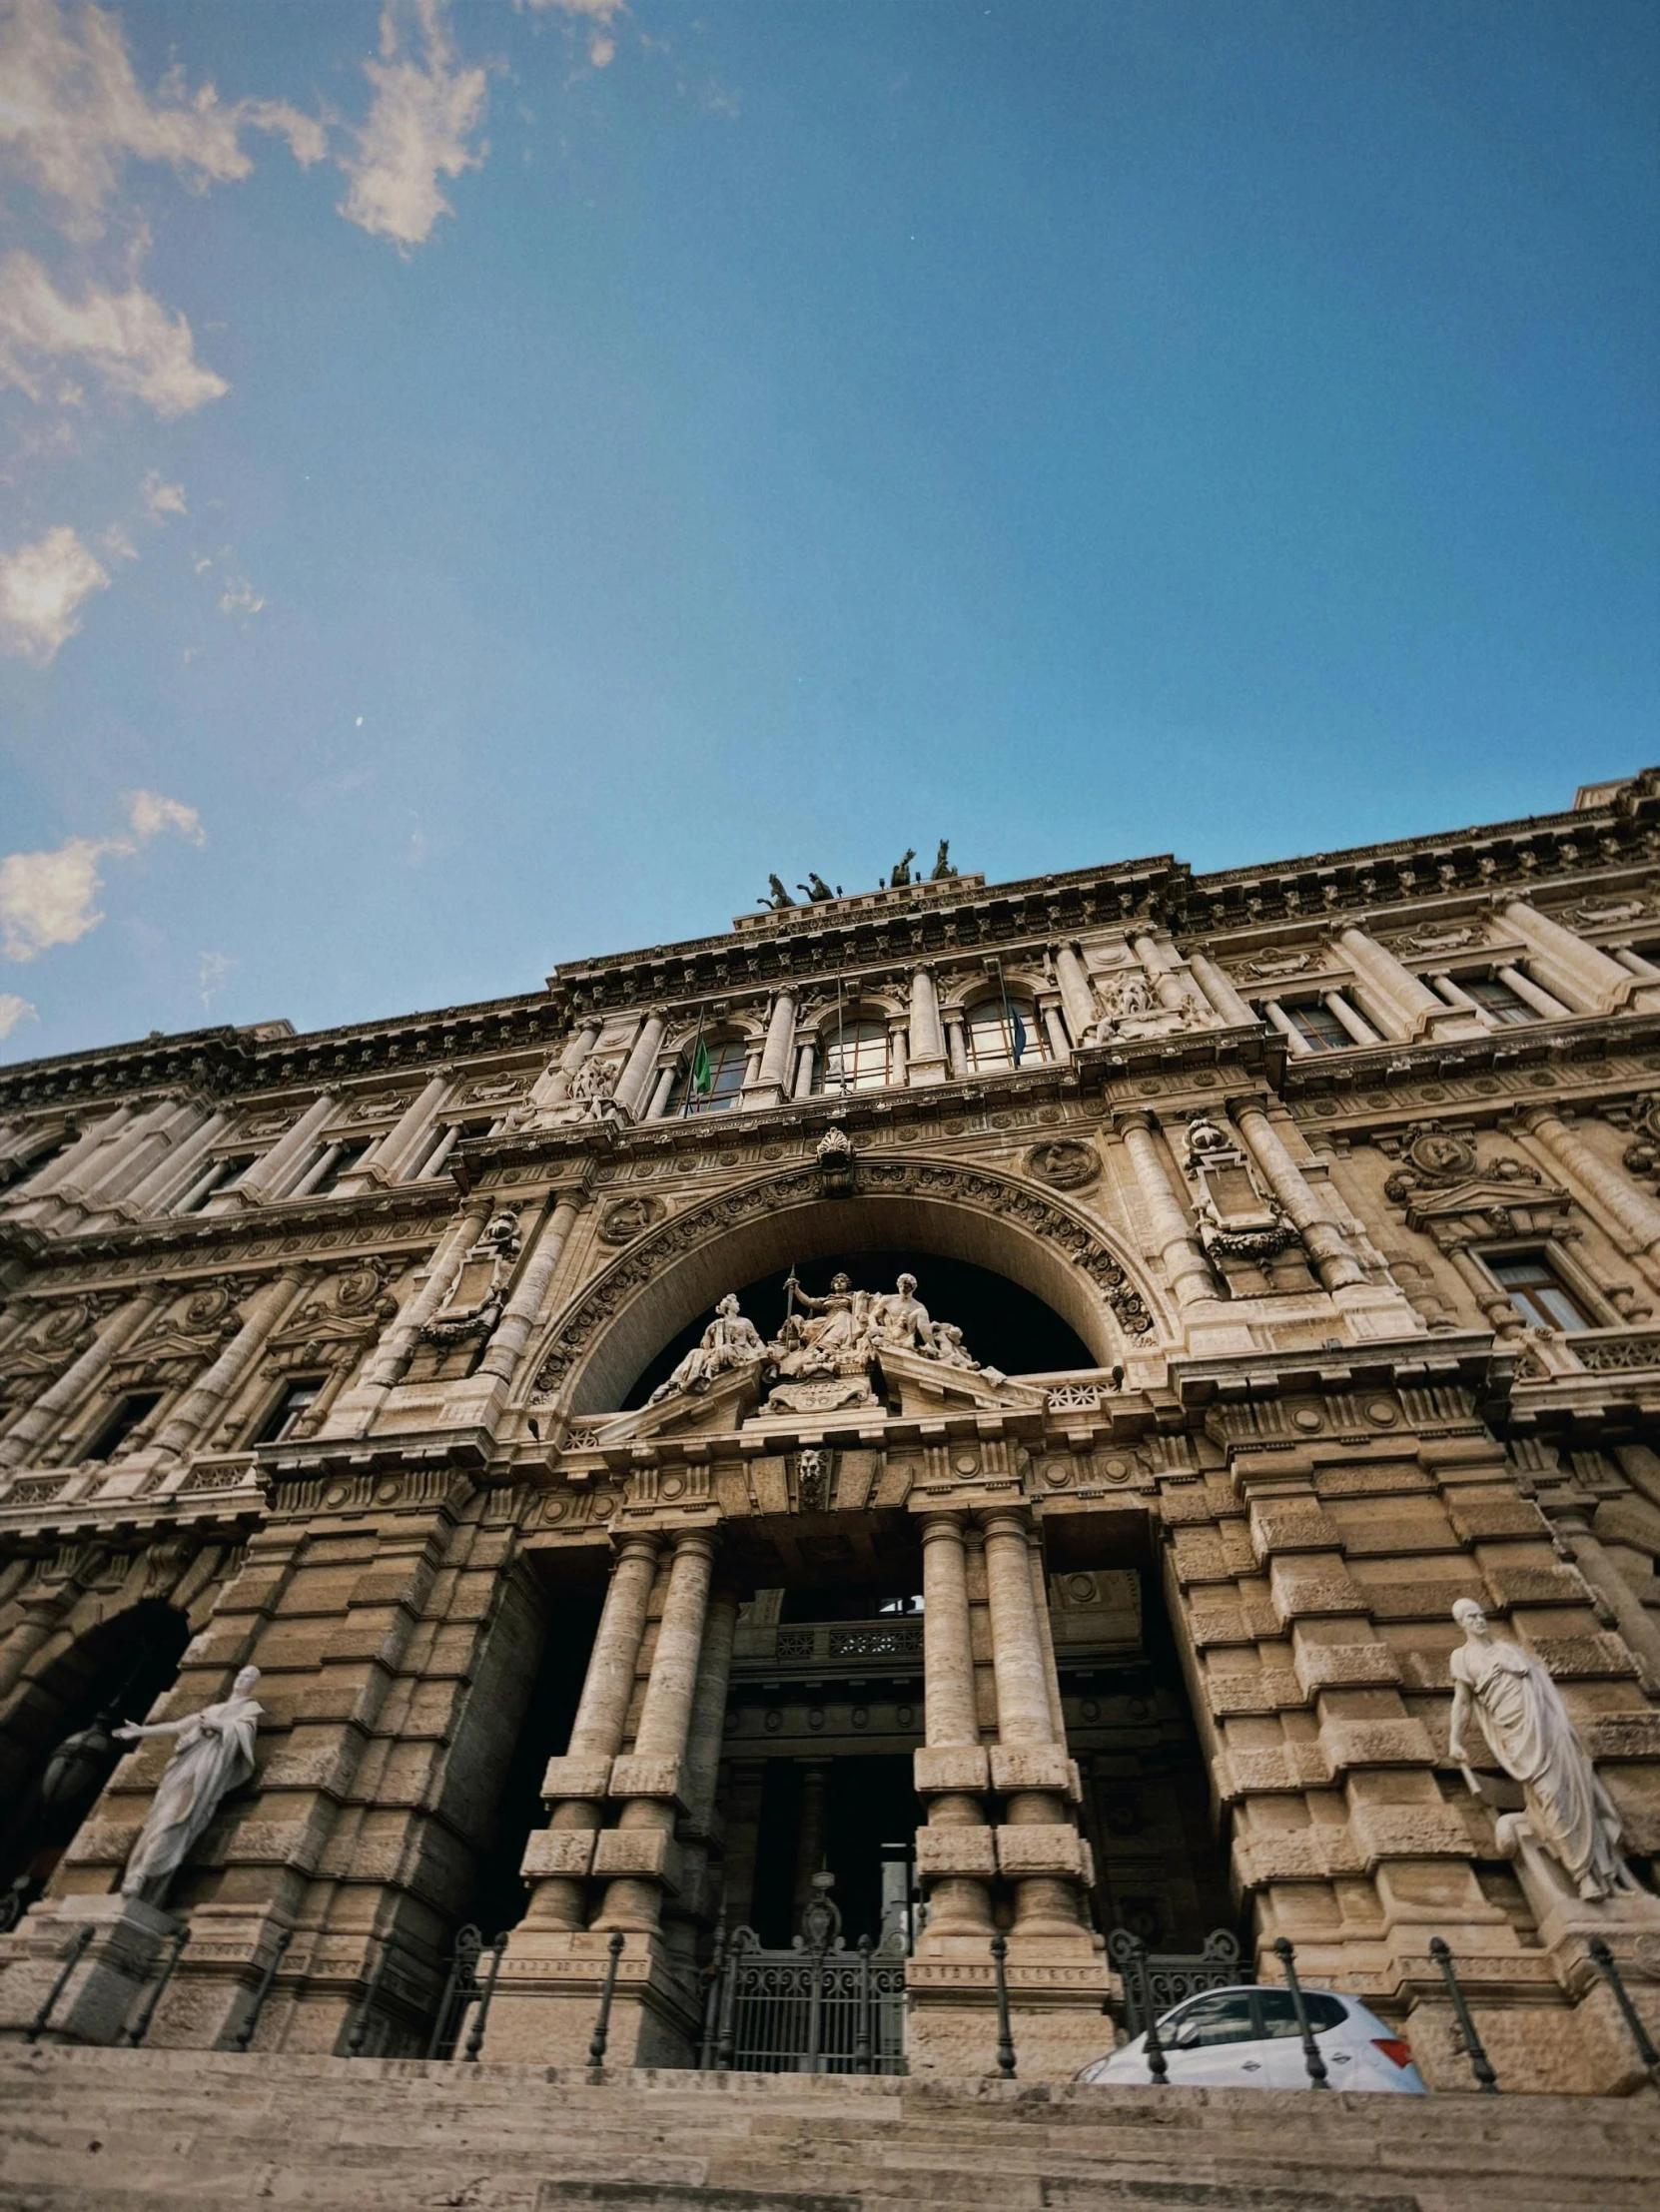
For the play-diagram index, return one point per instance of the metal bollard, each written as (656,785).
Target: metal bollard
(861,2039)
(37,2026)
(1310,2049)
(476,2040)
(602,2026)
(1005,2034)
(1480,2064)
(140,2028)
(251,2018)
(1603,1960)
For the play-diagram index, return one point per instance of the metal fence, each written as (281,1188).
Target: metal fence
(1156,1980)
(816,2009)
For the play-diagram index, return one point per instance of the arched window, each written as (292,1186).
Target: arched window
(998,1032)
(729,1056)
(855,1058)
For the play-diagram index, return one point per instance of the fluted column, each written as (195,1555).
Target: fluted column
(958,1903)
(1180,1255)
(1325,1244)
(1033,1783)
(273,1171)
(1218,988)
(1407,1004)
(636,1079)
(169,1174)
(633,1901)
(928,1063)
(206,1397)
(523,1308)
(35,1424)
(1635,1215)
(774,1072)
(1570,966)
(1076,995)
(578,1780)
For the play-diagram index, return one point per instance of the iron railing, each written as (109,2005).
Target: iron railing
(1156,1980)
(816,2009)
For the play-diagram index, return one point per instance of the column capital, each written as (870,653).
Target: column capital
(635,1544)
(998,1520)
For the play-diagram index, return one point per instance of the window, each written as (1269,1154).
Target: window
(1280,2015)
(729,1056)
(1318,1026)
(346,1158)
(220,1177)
(999,1032)
(1538,1293)
(855,1058)
(126,1415)
(1496,998)
(1222,2018)
(295,1399)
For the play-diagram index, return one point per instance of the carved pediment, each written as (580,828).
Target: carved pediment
(716,1409)
(923,1385)
(1491,1204)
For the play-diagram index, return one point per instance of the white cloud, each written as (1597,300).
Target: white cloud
(42,589)
(73,113)
(126,338)
(115,544)
(240,597)
(599,15)
(160,498)
(211,971)
(14,1009)
(47,898)
(416,131)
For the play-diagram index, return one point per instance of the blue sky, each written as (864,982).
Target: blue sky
(482,484)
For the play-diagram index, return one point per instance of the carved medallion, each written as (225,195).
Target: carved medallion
(1065,1163)
(628,1218)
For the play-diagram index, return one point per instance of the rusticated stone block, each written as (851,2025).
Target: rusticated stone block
(1622,1734)
(947,1767)
(103,1842)
(648,1853)
(1401,1743)
(1293,1527)
(576,1777)
(1198,1556)
(1209,1624)
(1595,1654)
(557,1851)
(1299,1591)
(1030,1767)
(633,1776)
(956,1850)
(1039,1850)
(1344,1666)
(1536,1585)
(1433,1830)
(1239,1690)
(1479,1524)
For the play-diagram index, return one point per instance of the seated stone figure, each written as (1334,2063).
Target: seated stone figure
(729,1341)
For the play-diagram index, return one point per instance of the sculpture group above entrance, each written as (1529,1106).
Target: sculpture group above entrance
(829,1350)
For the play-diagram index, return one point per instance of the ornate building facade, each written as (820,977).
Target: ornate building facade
(986,1393)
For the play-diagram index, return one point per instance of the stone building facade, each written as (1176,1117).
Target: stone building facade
(1318,1203)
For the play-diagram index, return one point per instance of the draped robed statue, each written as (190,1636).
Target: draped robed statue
(215,1755)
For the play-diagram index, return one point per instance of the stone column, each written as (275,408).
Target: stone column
(390,1160)
(1218,988)
(1491,1300)
(657,1105)
(773,1077)
(898,1048)
(1029,1767)
(523,1309)
(271,1172)
(355,1412)
(1156,960)
(577,1782)
(705,1739)
(163,1181)
(650,1779)
(1547,1007)
(1634,1216)
(1296,1043)
(71,1161)
(1180,1255)
(928,1063)
(1571,967)
(809,1836)
(37,1421)
(80,1187)
(804,1068)
(1045,1634)
(1408,1006)
(956,1045)
(1325,1244)
(1355,1024)
(950,1771)
(131,1160)
(1076,995)
(1633,959)
(643,1059)
(1055,1029)
(554,1084)
(207,1397)
(1456,996)
(1636,1624)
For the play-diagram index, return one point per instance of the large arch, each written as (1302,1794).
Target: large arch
(598,1347)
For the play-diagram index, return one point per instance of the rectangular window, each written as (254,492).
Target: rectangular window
(1538,1293)
(126,1415)
(1496,998)
(1318,1026)
(295,1399)
(220,1177)
(346,1158)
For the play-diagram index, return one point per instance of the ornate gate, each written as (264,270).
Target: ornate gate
(816,2009)
(1153,1981)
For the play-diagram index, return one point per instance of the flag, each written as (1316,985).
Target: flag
(702,1076)
(1019,1029)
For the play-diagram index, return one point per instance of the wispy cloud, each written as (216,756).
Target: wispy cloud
(14,1009)
(240,597)
(43,588)
(597,16)
(49,897)
(211,971)
(160,498)
(416,131)
(127,338)
(73,113)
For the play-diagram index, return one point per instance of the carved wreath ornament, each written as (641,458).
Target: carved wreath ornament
(913,1177)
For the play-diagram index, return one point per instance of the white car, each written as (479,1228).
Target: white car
(1248,2038)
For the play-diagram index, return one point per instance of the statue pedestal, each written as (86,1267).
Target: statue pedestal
(106,1987)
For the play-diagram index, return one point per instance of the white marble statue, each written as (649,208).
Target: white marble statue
(729,1341)
(1526,1725)
(899,1319)
(837,1330)
(215,1755)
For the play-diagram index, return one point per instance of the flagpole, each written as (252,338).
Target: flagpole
(1008,1018)
(691,1067)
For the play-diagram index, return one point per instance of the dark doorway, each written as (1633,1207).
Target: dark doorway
(1002,1324)
(856,1806)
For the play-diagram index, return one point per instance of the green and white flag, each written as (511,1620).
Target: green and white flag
(702,1076)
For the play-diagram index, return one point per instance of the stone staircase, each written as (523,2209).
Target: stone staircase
(94,2130)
